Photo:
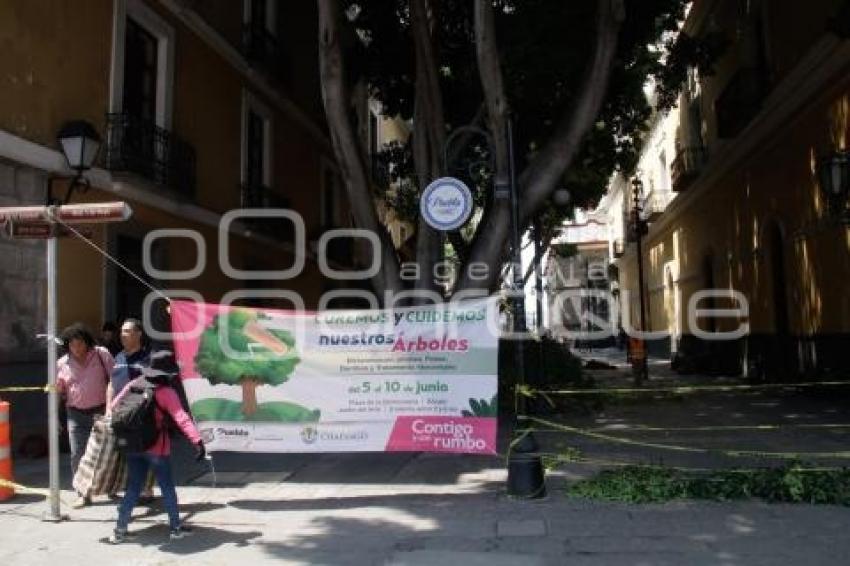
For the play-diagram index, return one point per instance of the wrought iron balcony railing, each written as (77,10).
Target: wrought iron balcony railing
(140,147)
(655,204)
(686,167)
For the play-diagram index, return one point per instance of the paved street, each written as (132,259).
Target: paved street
(414,509)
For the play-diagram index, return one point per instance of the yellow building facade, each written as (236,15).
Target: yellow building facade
(202,110)
(751,214)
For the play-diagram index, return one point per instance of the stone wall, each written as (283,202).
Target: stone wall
(23,283)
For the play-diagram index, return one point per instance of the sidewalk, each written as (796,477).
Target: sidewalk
(413,509)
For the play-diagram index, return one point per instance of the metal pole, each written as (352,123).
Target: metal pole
(516,272)
(525,469)
(643,374)
(538,273)
(53,513)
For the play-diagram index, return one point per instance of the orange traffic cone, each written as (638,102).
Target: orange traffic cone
(5,452)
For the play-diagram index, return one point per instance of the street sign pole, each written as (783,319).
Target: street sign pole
(53,513)
(39,222)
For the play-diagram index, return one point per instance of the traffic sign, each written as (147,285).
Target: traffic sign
(92,213)
(39,231)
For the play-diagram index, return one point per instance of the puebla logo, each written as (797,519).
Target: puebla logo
(446,204)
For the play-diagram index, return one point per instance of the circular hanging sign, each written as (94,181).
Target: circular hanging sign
(446,204)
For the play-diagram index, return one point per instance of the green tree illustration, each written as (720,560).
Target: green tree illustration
(264,356)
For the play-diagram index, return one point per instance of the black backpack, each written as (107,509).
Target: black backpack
(134,418)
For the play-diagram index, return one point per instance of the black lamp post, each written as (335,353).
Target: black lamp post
(834,173)
(639,227)
(525,468)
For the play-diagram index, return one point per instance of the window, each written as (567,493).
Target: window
(261,14)
(256,142)
(255,148)
(142,64)
(140,69)
(259,30)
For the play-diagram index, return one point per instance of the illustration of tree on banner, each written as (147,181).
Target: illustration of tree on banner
(263,357)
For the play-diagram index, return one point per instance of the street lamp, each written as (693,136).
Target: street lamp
(80,143)
(525,468)
(639,229)
(834,173)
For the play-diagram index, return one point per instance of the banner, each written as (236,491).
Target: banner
(407,379)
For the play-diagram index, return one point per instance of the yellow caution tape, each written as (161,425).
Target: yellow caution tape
(43,389)
(24,489)
(690,449)
(527,391)
(19,488)
(718,428)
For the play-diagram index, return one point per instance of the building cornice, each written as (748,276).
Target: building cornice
(23,152)
(229,53)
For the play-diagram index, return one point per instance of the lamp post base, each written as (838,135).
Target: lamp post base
(525,476)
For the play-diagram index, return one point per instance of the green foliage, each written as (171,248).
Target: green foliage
(548,364)
(482,408)
(790,484)
(258,363)
(545,47)
(275,411)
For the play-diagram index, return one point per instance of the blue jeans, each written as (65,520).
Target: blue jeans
(137,471)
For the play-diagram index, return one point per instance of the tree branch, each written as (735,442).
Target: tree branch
(543,174)
(429,134)
(490,73)
(346,145)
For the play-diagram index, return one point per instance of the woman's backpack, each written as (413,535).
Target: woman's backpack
(134,417)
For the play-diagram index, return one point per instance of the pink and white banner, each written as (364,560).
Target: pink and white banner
(407,379)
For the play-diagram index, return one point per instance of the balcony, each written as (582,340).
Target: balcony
(262,49)
(259,196)
(654,205)
(739,102)
(686,167)
(140,147)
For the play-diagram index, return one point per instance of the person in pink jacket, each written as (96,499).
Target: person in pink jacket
(157,456)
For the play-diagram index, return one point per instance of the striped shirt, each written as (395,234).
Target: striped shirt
(84,384)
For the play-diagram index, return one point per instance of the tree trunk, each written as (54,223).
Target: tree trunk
(428,141)
(249,395)
(543,174)
(347,147)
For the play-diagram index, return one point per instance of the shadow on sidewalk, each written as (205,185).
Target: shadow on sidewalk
(203,538)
